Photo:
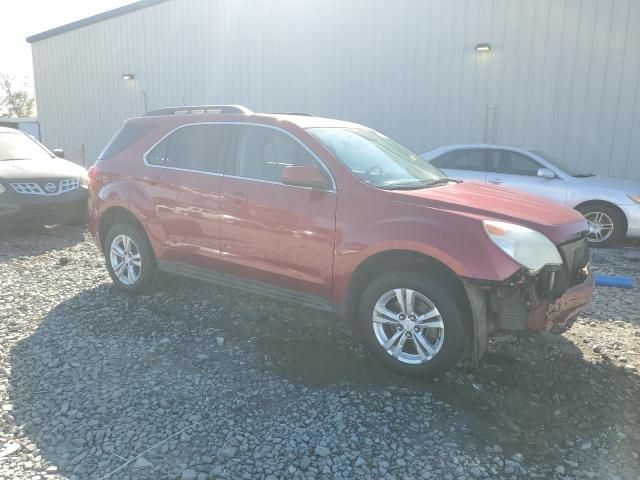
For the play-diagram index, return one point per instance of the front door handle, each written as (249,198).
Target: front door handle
(236,197)
(495,181)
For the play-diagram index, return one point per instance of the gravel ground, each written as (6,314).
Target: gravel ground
(201,382)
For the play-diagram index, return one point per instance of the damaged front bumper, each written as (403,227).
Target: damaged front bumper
(558,313)
(525,302)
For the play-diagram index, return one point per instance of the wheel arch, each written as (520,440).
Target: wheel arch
(117,214)
(608,204)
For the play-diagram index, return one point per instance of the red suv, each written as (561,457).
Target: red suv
(335,216)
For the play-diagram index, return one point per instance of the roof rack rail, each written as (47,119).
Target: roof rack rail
(302,114)
(184,110)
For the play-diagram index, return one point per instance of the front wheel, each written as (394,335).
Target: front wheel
(606,225)
(411,322)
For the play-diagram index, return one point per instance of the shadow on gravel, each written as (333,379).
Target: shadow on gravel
(38,239)
(105,376)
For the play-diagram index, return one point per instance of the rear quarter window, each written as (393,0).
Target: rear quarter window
(128,134)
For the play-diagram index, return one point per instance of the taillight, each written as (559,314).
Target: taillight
(93,173)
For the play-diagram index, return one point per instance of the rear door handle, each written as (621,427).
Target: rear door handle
(495,181)
(236,197)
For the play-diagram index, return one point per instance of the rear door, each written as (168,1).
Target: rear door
(279,234)
(463,164)
(511,169)
(184,182)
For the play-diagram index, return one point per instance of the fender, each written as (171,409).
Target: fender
(434,235)
(129,196)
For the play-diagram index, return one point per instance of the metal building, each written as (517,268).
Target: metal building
(560,75)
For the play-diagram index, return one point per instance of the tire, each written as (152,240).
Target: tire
(144,270)
(447,340)
(602,214)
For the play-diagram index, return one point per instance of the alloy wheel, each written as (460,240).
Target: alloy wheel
(408,326)
(600,226)
(125,259)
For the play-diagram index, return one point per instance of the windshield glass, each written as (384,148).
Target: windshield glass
(376,159)
(574,172)
(18,146)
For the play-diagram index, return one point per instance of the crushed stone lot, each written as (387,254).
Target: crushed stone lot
(202,382)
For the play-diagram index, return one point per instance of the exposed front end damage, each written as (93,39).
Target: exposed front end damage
(526,301)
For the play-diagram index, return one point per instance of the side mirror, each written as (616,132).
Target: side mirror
(546,173)
(58,152)
(305,176)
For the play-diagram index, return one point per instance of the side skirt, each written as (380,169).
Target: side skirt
(251,286)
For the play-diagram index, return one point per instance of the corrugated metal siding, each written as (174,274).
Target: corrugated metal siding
(563,75)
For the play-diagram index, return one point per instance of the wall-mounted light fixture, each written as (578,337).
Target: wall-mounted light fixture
(483,47)
(128,76)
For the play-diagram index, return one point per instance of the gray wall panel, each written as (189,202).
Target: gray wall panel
(562,74)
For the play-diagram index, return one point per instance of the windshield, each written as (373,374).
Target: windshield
(376,159)
(574,172)
(18,146)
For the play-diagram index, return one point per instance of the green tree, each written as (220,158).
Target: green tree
(14,102)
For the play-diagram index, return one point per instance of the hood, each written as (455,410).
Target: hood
(47,168)
(559,223)
(628,186)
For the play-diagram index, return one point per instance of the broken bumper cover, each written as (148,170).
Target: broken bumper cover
(546,315)
(512,311)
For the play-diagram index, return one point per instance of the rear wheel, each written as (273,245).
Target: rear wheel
(606,225)
(411,322)
(130,259)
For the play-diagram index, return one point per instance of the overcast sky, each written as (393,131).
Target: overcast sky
(21,18)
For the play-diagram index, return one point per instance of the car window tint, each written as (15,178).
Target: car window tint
(157,155)
(514,163)
(198,147)
(466,159)
(263,152)
(128,134)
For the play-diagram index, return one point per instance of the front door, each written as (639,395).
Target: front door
(510,169)
(271,232)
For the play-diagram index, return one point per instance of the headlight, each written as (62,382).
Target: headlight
(635,198)
(529,248)
(84,180)
(1,188)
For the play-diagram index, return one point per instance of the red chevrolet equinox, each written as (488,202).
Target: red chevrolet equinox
(335,216)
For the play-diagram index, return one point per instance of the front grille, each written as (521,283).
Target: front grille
(575,256)
(46,187)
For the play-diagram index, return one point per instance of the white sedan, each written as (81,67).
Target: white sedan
(610,205)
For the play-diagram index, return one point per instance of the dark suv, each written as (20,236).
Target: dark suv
(37,187)
(335,216)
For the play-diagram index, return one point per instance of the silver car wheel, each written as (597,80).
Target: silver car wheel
(125,259)
(600,226)
(408,326)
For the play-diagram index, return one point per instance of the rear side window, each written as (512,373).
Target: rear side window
(202,148)
(467,159)
(128,134)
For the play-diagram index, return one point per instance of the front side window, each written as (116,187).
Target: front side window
(376,159)
(513,163)
(465,159)
(18,146)
(200,148)
(263,152)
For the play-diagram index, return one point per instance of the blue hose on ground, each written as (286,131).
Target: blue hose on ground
(614,281)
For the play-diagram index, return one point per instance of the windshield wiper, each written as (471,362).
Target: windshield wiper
(419,185)
(441,181)
(584,175)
